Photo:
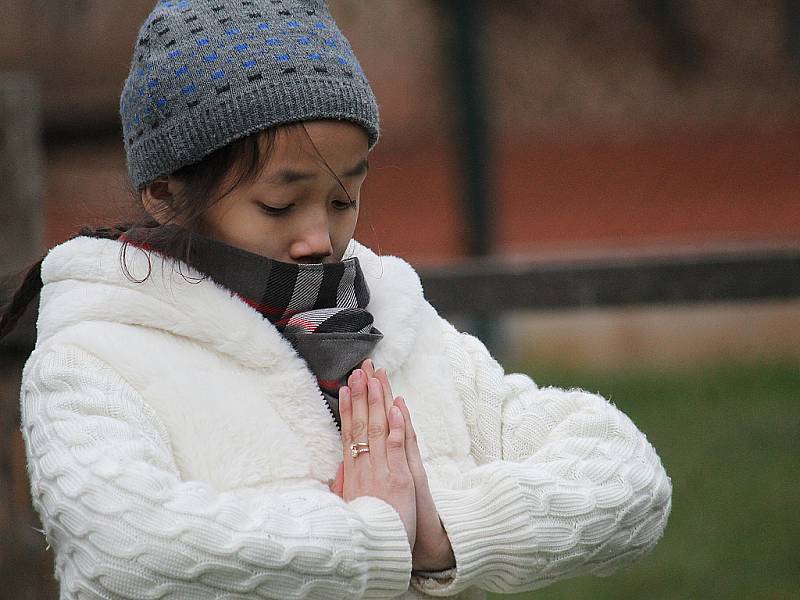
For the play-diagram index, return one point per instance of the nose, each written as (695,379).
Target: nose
(312,243)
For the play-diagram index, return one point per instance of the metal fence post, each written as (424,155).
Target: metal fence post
(21,185)
(792,13)
(466,62)
(27,565)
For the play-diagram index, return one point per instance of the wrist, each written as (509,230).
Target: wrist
(439,558)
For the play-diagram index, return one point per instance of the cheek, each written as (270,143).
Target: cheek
(233,222)
(343,231)
(244,226)
(349,222)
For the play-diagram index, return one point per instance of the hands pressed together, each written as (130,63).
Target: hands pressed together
(392,470)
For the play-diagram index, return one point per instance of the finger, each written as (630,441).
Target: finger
(411,434)
(412,448)
(368,367)
(358,388)
(378,427)
(381,375)
(346,412)
(395,443)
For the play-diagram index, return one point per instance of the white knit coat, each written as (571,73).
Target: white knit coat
(178,447)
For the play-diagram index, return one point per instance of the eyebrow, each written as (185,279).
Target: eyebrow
(286,176)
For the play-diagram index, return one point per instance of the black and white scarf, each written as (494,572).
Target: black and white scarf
(319,308)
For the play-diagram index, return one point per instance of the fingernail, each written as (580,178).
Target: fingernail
(344,393)
(358,374)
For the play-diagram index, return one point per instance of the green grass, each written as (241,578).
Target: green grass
(729,437)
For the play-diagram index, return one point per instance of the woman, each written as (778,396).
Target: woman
(210,409)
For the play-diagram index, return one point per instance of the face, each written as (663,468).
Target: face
(296,210)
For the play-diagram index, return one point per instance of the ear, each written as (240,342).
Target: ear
(157,198)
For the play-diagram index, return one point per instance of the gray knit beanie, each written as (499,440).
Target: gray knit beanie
(208,72)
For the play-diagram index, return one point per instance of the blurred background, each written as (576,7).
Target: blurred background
(522,133)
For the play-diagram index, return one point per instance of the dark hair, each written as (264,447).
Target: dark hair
(202,182)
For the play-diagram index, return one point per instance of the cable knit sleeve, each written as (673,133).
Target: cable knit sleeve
(124,525)
(565,485)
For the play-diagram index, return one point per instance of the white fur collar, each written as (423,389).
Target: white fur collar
(204,311)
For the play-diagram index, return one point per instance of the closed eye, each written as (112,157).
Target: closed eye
(274,210)
(344,204)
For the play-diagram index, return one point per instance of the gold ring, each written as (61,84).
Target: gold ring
(357,448)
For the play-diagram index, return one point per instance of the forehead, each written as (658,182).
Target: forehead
(305,150)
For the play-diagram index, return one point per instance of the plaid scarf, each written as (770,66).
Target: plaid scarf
(319,308)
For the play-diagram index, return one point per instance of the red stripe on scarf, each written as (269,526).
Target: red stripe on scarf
(309,326)
(272,310)
(329,384)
